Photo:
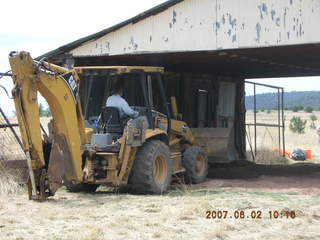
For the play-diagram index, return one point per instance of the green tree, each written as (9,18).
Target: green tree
(297,108)
(42,111)
(48,112)
(308,109)
(313,118)
(297,125)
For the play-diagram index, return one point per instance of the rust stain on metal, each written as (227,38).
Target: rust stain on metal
(273,13)
(174,17)
(258,29)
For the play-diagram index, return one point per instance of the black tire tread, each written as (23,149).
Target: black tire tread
(189,163)
(141,178)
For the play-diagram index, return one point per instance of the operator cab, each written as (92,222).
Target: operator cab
(142,88)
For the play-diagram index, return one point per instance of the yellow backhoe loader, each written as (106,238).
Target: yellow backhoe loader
(89,144)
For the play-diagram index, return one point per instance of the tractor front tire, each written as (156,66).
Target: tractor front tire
(80,187)
(152,169)
(195,161)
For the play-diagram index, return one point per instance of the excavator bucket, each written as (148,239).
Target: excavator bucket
(56,168)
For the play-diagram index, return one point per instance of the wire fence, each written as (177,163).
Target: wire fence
(10,148)
(266,132)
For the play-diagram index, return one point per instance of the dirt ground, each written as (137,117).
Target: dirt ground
(181,213)
(301,177)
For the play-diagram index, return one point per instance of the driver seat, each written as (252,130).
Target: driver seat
(111,121)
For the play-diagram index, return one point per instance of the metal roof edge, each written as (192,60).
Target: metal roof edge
(153,11)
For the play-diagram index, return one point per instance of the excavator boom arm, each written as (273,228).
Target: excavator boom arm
(59,87)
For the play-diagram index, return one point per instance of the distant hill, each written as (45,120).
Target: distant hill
(270,100)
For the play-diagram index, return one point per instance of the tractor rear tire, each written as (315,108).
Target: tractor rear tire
(152,169)
(80,187)
(195,161)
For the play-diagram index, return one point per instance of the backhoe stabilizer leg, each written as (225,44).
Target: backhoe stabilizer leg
(31,176)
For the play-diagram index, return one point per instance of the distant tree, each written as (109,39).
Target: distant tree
(42,111)
(313,118)
(300,107)
(297,125)
(268,111)
(297,108)
(308,109)
(48,112)
(262,109)
(294,109)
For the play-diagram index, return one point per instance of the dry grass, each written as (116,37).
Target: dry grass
(268,137)
(9,181)
(267,156)
(9,150)
(179,214)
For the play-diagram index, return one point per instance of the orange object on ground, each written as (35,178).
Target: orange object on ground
(286,153)
(308,154)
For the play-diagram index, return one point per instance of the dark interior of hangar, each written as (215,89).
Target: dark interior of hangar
(209,86)
(203,100)
(284,61)
(212,106)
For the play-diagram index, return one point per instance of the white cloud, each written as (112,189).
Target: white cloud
(62,18)
(39,26)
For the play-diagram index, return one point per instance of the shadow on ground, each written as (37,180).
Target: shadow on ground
(300,177)
(247,170)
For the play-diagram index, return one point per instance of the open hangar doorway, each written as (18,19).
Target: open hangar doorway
(269,165)
(283,118)
(201,73)
(209,87)
(265,132)
(210,103)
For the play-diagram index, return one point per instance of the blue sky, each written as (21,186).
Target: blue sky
(289,84)
(33,27)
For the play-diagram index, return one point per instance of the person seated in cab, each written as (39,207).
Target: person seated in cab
(116,100)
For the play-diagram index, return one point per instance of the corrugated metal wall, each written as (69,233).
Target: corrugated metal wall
(195,25)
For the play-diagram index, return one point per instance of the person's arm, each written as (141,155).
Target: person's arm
(128,110)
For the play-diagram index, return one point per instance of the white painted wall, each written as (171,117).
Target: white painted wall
(195,25)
